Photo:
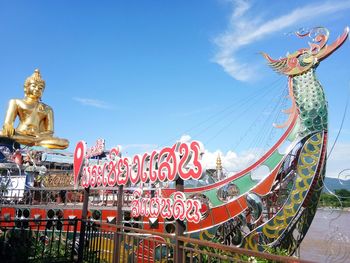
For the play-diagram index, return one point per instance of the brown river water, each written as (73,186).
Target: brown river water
(328,239)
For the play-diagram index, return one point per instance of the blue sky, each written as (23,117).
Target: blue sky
(142,74)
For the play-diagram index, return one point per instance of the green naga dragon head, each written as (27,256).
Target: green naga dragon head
(306,58)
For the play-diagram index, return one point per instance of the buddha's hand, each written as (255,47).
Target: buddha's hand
(46,134)
(8,130)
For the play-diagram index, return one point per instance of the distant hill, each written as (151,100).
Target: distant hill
(333,184)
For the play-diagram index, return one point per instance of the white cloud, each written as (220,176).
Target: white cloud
(234,162)
(93,103)
(244,30)
(185,138)
(231,161)
(242,6)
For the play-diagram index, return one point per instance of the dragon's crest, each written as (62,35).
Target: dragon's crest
(305,58)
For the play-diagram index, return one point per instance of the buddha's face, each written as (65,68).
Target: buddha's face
(35,89)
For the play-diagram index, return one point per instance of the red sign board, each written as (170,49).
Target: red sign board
(181,160)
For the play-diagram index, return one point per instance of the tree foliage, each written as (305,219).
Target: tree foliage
(340,198)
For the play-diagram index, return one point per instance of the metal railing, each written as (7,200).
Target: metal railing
(67,196)
(120,244)
(156,247)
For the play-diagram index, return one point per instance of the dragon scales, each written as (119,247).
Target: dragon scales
(247,219)
(311,106)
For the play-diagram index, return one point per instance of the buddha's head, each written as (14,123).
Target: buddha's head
(34,85)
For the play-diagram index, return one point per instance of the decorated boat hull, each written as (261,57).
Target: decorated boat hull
(234,209)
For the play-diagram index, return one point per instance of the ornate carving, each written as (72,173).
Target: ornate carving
(58,180)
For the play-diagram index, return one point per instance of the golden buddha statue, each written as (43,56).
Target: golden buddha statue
(36,122)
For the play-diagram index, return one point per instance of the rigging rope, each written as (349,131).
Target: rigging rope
(252,101)
(341,124)
(267,126)
(235,103)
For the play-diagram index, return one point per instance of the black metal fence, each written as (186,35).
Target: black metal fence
(57,240)
(38,240)
(99,243)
